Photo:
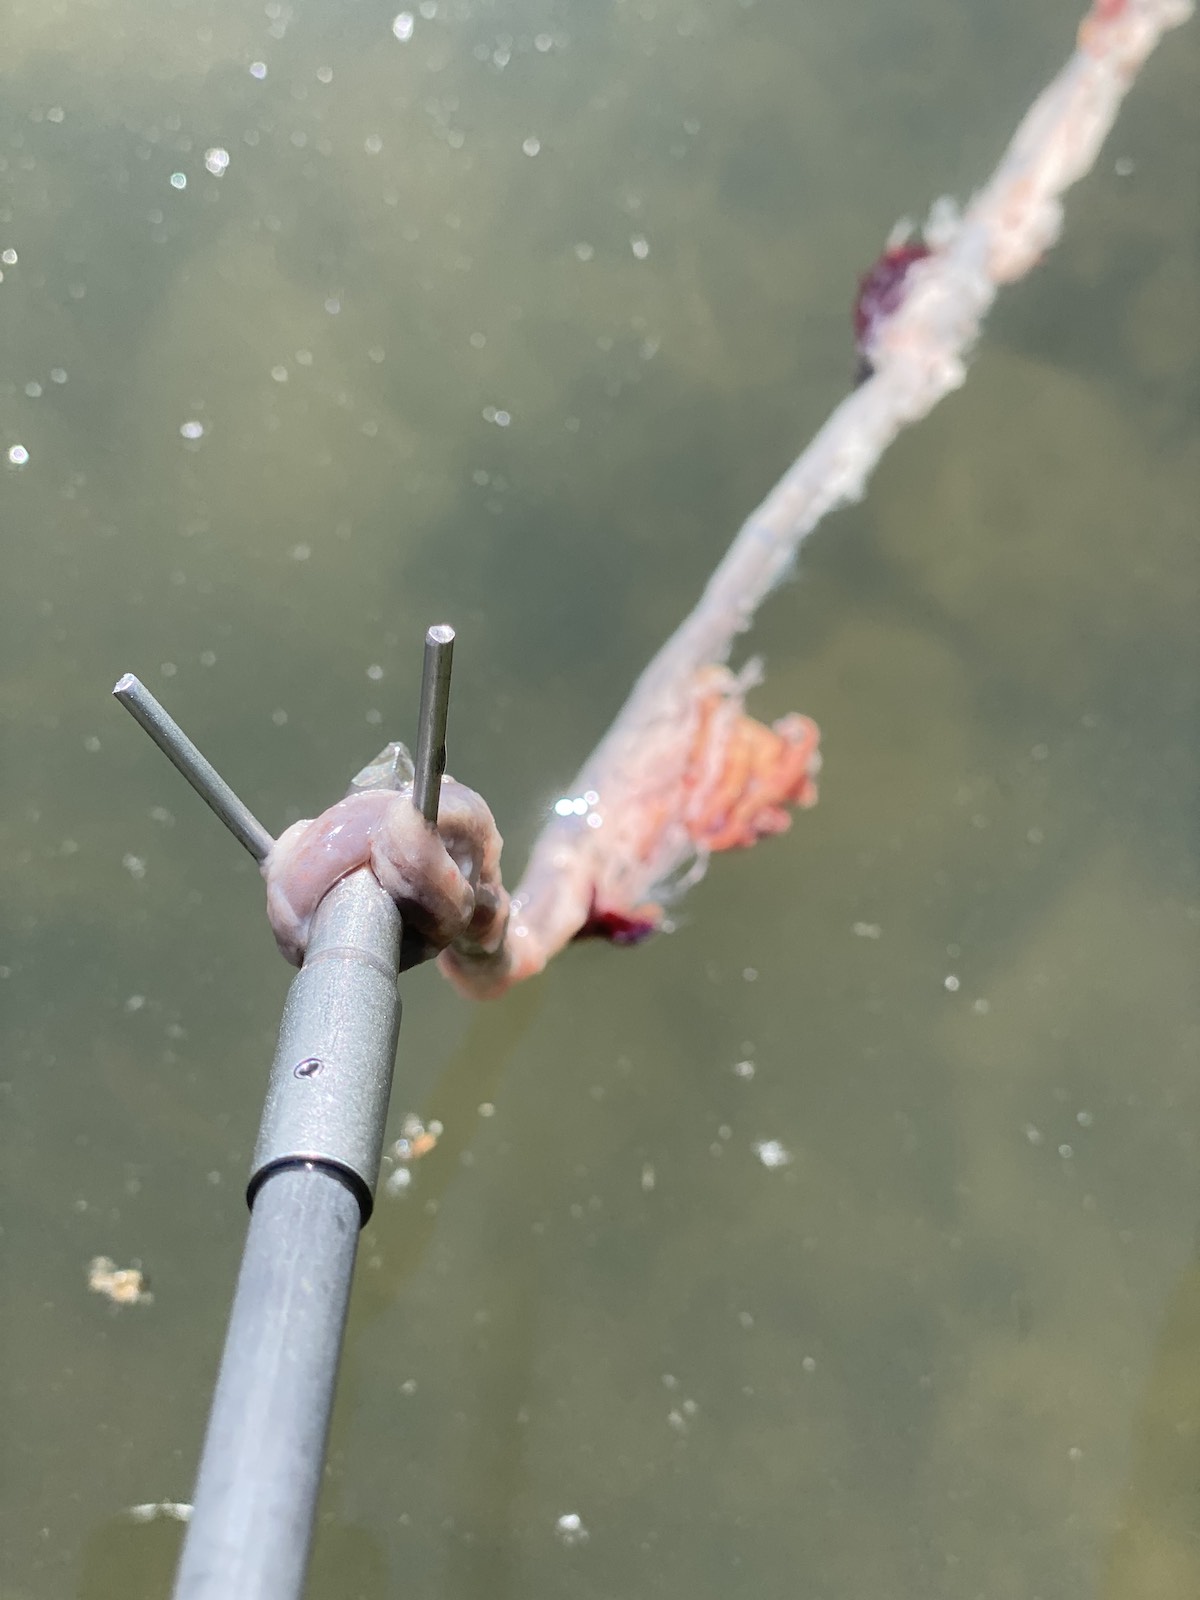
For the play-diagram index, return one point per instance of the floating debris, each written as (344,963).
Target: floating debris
(124,1286)
(570,1528)
(771,1153)
(416,1140)
(175,1510)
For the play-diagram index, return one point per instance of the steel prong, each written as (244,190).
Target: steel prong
(430,759)
(197,769)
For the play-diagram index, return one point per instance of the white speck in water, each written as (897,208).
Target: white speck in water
(279,717)
(216,160)
(542,42)
(300,552)
(750,974)
(135,866)
(743,1069)
(1033,1134)
(18,456)
(981,1007)
(649,1177)
(9,257)
(91,744)
(33,390)
(208,658)
(192,429)
(1084,1118)
(174,1510)
(1065,1151)
(1074,1453)
(584,251)
(640,246)
(372,144)
(178,180)
(531,146)
(771,1153)
(135,1002)
(58,375)
(398,1181)
(376,354)
(867,930)
(333,305)
(570,1529)
(428,9)
(1123,166)
(950,983)
(595,820)
(258,69)
(55,114)
(809,1364)
(375,672)
(280,374)
(324,74)
(402,26)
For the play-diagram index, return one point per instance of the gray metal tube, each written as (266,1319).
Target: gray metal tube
(260,1470)
(312,1186)
(328,1094)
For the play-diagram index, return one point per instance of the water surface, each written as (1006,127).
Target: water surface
(511,322)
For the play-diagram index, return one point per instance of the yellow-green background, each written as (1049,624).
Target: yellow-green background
(952,1349)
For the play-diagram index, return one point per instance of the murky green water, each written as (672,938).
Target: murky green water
(511,323)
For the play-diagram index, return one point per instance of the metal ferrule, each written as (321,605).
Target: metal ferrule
(332,1075)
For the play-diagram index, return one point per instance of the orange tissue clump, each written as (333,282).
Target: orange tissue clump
(742,775)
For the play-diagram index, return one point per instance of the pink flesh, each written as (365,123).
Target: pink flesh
(445,881)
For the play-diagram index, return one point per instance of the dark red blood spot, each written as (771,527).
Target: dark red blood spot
(618,927)
(881,290)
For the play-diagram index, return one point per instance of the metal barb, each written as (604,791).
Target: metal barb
(199,772)
(431,728)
